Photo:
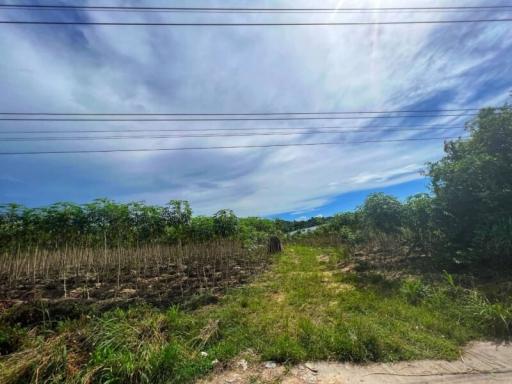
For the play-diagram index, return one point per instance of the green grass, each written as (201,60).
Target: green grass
(302,309)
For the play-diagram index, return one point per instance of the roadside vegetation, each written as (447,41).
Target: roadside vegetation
(130,293)
(102,249)
(465,223)
(299,310)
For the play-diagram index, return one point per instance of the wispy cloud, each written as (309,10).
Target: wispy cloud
(91,69)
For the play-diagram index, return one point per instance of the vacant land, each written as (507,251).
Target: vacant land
(308,306)
(160,274)
(481,363)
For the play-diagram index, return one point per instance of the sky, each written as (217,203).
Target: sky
(127,69)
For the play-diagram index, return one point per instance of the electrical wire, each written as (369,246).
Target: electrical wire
(145,119)
(221,147)
(82,138)
(250,9)
(342,128)
(249,24)
(236,114)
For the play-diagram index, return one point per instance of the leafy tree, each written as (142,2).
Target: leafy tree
(225,223)
(201,229)
(11,223)
(290,226)
(417,221)
(256,230)
(145,222)
(344,219)
(381,213)
(177,216)
(473,189)
(104,222)
(178,212)
(258,224)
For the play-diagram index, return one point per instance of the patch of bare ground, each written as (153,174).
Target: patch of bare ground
(157,273)
(392,263)
(481,362)
(248,369)
(159,276)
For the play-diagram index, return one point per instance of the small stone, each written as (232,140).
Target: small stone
(215,362)
(242,364)
(203,354)
(270,364)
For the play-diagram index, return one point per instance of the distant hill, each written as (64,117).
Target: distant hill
(288,226)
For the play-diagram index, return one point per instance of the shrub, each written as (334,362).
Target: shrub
(495,318)
(381,213)
(472,185)
(414,291)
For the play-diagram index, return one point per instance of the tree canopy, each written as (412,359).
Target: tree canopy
(472,185)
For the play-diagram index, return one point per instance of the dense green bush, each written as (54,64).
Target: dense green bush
(381,213)
(295,225)
(107,223)
(418,226)
(414,291)
(467,220)
(472,187)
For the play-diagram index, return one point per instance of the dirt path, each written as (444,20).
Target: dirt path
(481,362)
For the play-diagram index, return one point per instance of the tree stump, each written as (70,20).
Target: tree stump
(274,245)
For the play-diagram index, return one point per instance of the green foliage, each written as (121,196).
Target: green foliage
(342,231)
(178,213)
(124,344)
(225,223)
(348,236)
(414,291)
(10,339)
(100,222)
(106,223)
(382,213)
(468,218)
(290,226)
(298,311)
(473,190)
(347,227)
(255,230)
(495,318)
(344,220)
(201,229)
(417,221)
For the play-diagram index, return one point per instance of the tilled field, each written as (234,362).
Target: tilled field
(158,275)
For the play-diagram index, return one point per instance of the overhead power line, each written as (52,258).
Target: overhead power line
(250,24)
(248,9)
(146,119)
(221,147)
(341,128)
(252,134)
(235,114)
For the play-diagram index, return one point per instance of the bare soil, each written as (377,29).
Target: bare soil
(27,303)
(481,362)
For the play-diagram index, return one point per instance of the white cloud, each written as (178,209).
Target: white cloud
(237,70)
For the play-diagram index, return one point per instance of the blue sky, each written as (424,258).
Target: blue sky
(352,200)
(225,70)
